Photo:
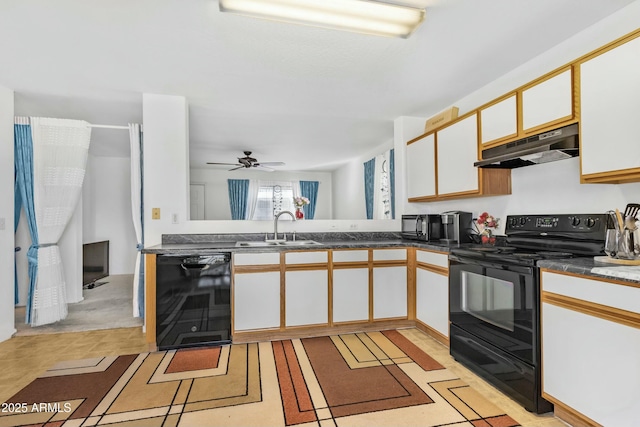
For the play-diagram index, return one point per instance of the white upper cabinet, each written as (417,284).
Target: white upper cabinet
(610,110)
(548,101)
(499,121)
(421,161)
(457,151)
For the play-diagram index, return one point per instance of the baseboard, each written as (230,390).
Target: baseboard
(318,331)
(432,332)
(6,333)
(570,415)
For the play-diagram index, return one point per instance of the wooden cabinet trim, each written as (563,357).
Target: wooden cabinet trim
(433,268)
(612,177)
(623,317)
(607,47)
(389,263)
(311,266)
(353,264)
(568,414)
(432,332)
(243,269)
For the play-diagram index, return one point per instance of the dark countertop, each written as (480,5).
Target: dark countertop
(581,266)
(206,248)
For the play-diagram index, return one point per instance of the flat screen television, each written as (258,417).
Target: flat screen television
(95,261)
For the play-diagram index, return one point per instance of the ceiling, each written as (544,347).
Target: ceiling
(310,97)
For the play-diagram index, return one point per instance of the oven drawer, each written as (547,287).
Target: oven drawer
(516,378)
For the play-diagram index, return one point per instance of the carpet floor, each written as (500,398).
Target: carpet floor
(365,379)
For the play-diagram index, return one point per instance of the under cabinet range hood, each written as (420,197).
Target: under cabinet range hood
(558,144)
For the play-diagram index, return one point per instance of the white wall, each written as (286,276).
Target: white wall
(106,196)
(348,191)
(553,187)
(165,164)
(348,185)
(217,192)
(7,243)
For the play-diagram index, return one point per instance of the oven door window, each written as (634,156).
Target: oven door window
(488,299)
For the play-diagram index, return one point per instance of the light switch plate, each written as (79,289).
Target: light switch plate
(2,221)
(155,213)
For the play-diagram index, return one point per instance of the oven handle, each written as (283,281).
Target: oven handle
(486,264)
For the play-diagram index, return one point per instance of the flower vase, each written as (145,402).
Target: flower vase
(487,237)
(299,213)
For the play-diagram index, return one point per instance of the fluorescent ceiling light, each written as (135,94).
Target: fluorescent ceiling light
(363,16)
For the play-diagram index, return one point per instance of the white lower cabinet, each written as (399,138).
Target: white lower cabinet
(389,292)
(592,365)
(306,297)
(432,300)
(256,300)
(351,294)
(590,353)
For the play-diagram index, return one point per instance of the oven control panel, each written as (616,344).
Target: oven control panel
(565,223)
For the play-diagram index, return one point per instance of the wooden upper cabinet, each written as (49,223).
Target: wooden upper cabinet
(610,115)
(548,102)
(421,164)
(457,152)
(499,121)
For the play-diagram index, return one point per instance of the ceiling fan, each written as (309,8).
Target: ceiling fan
(250,162)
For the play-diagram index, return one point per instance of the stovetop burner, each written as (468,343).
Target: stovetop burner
(510,254)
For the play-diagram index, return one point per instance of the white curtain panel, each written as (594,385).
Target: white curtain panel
(60,149)
(252,198)
(136,206)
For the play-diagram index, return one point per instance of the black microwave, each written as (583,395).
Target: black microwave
(422,227)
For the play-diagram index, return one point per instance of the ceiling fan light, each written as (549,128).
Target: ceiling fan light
(363,16)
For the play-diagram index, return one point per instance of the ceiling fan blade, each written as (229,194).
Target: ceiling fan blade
(226,164)
(239,167)
(272,163)
(264,168)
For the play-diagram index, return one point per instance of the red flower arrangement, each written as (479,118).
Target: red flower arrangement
(485,223)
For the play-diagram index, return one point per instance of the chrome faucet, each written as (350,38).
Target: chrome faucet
(275,227)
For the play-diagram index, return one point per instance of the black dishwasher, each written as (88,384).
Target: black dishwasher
(193,300)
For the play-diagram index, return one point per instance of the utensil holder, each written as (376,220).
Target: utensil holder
(621,243)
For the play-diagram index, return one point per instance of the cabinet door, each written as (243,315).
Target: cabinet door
(457,151)
(306,297)
(548,101)
(350,294)
(389,292)
(421,161)
(256,300)
(499,121)
(591,365)
(610,110)
(432,300)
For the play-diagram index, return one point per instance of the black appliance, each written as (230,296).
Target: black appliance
(422,227)
(494,299)
(193,300)
(456,227)
(558,144)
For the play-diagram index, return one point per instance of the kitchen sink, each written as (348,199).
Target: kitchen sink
(288,243)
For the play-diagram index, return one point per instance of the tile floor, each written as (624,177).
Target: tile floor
(25,357)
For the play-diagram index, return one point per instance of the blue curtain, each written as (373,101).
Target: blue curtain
(17,208)
(309,189)
(24,177)
(238,193)
(392,182)
(369,171)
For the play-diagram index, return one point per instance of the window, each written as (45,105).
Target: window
(273,198)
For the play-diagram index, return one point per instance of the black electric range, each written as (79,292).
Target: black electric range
(494,298)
